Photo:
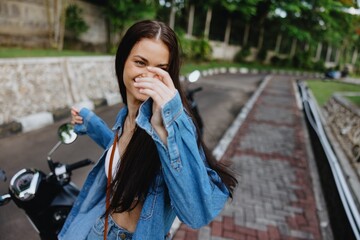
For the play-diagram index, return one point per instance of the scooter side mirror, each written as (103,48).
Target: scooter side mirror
(194,76)
(66,133)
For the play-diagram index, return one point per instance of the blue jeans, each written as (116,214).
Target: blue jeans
(114,231)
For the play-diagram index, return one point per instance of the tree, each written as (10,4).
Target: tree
(74,22)
(122,13)
(245,8)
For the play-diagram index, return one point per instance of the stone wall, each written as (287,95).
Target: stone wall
(36,23)
(344,120)
(31,86)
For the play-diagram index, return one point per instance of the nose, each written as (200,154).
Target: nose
(150,75)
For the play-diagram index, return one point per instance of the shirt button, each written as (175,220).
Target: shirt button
(122,235)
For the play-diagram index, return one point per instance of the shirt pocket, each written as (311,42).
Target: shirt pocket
(152,198)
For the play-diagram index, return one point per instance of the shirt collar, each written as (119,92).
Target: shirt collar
(142,119)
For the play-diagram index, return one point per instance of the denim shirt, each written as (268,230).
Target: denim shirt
(184,187)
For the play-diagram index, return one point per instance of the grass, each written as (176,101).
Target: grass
(21,52)
(323,90)
(355,100)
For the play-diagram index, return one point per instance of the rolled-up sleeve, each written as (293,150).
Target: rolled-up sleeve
(94,127)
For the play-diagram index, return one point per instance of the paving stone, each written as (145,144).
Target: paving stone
(301,234)
(278,100)
(220,238)
(274,114)
(265,138)
(204,233)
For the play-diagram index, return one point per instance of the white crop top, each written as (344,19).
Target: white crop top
(115,161)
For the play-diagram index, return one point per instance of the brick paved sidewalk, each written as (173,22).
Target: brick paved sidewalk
(275,198)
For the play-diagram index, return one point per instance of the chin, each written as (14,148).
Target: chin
(141,97)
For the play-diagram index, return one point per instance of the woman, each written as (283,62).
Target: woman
(154,166)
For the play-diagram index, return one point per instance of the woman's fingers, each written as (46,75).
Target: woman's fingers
(155,85)
(164,76)
(155,89)
(75,117)
(74,111)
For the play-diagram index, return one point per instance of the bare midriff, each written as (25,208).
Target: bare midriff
(128,219)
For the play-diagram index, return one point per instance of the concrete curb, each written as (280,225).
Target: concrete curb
(225,141)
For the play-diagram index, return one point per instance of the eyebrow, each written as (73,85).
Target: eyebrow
(145,60)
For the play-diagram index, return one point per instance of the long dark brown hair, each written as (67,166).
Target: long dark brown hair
(140,162)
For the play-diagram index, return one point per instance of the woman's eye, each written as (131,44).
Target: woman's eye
(140,63)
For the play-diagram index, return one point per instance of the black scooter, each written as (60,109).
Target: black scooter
(46,199)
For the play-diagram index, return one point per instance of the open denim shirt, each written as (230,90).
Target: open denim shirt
(185,186)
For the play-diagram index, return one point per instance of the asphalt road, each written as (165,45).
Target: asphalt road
(219,103)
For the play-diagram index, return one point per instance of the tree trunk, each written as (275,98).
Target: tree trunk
(354,56)
(49,22)
(208,23)
(227,31)
(172,15)
(318,52)
(278,43)
(191,20)
(337,56)
(293,48)
(246,34)
(328,54)
(307,47)
(62,25)
(108,36)
(261,39)
(56,18)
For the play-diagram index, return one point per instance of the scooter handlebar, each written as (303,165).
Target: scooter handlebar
(192,91)
(79,164)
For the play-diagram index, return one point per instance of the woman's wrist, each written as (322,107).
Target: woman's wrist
(162,133)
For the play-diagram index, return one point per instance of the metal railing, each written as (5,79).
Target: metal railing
(311,112)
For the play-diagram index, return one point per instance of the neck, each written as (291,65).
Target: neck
(133,107)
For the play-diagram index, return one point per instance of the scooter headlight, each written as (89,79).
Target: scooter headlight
(24,184)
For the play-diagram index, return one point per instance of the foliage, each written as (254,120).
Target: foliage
(243,53)
(246,8)
(74,21)
(195,49)
(277,61)
(319,65)
(261,55)
(302,60)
